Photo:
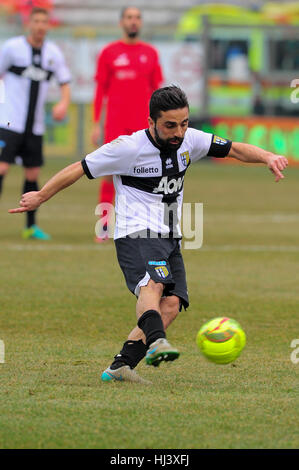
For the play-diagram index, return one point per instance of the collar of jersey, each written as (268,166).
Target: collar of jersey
(164,153)
(151,139)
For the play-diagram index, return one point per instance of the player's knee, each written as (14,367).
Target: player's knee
(173,304)
(155,287)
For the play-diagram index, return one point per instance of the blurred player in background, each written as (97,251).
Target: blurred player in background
(127,73)
(27,64)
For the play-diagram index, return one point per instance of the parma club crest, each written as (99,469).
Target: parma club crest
(219,140)
(162,271)
(160,268)
(185,158)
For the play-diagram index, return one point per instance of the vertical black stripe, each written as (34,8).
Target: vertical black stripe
(34,89)
(170,168)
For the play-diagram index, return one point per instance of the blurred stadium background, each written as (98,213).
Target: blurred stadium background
(236,60)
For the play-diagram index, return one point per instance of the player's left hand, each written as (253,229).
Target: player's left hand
(277,163)
(59,111)
(29,202)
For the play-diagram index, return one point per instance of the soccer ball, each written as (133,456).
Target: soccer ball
(221,340)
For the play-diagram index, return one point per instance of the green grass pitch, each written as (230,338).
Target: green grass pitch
(65,311)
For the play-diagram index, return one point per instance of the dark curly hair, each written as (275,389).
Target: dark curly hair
(164,99)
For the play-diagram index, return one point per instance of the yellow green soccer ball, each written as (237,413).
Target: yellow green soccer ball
(221,340)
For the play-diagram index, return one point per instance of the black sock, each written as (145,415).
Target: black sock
(151,324)
(130,355)
(1,181)
(30,186)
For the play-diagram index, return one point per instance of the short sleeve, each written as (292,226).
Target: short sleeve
(115,158)
(62,72)
(200,142)
(205,144)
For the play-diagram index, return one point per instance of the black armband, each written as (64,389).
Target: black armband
(219,147)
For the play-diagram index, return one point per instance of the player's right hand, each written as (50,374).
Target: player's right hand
(277,163)
(96,135)
(29,202)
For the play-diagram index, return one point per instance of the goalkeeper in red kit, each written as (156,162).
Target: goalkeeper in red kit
(127,73)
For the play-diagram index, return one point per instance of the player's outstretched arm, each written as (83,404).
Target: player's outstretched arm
(66,177)
(251,154)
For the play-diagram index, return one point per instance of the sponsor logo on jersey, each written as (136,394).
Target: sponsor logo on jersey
(219,140)
(143,59)
(162,271)
(168,187)
(157,263)
(143,170)
(122,60)
(169,163)
(35,73)
(185,158)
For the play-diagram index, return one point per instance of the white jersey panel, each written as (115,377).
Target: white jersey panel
(17,88)
(55,61)
(115,158)
(12,111)
(38,127)
(137,210)
(200,142)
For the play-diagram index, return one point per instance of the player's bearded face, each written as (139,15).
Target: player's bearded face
(168,143)
(132,31)
(169,128)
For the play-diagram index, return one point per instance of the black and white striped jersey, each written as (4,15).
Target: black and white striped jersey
(148,179)
(26,73)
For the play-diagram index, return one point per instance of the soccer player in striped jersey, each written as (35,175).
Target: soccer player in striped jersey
(27,63)
(148,168)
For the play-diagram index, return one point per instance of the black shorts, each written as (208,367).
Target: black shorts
(159,259)
(26,146)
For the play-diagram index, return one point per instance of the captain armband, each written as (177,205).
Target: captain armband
(219,147)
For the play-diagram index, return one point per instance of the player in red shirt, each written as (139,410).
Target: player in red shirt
(128,71)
